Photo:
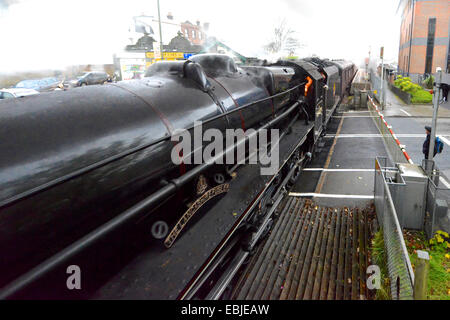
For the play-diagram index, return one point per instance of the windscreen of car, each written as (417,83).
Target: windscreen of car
(50,81)
(82,75)
(6,95)
(28,84)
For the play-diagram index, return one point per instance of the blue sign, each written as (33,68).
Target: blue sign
(187,55)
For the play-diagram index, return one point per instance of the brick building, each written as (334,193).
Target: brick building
(194,32)
(424,37)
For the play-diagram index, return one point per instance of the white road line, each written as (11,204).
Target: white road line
(408,114)
(444,139)
(336,196)
(444,182)
(356,111)
(339,170)
(377,135)
(355,117)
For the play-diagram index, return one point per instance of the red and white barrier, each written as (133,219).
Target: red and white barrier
(402,147)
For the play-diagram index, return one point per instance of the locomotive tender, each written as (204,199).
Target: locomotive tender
(72,161)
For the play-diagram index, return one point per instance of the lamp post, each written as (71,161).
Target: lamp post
(436,93)
(382,78)
(160,33)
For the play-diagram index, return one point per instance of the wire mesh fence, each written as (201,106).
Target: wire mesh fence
(437,215)
(399,266)
(376,87)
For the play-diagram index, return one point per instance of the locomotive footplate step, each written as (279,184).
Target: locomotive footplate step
(313,252)
(164,273)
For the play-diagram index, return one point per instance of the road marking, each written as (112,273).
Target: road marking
(335,196)
(408,114)
(355,117)
(444,139)
(444,182)
(378,135)
(356,111)
(338,170)
(330,154)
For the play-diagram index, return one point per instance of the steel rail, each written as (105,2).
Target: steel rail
(237,262)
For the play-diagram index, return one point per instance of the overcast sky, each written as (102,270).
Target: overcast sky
(40,34)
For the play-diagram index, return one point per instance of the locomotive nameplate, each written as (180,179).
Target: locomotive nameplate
(192,210)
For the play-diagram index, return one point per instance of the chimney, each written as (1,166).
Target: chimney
(198,23)
(170,16)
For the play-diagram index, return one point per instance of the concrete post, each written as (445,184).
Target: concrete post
(421,275)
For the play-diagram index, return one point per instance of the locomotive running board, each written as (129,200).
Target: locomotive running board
(173,235)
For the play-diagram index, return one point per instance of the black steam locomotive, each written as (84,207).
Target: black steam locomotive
(84,161)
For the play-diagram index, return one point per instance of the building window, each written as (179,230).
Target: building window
(193,34)
(430,45)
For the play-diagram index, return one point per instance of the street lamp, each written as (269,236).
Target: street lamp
(160,33)
(436,93)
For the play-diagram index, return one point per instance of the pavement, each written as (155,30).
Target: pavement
(345,177)
(395,107)
(408,122)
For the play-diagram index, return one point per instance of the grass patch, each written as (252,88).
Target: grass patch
(439,250)
(379,258)
(421,96)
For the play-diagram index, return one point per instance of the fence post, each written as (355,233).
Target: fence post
(421,275)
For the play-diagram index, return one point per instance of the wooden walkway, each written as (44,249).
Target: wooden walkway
(313,252)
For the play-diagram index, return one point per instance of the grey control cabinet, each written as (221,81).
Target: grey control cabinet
(409,197)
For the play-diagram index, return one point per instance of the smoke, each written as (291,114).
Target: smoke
(4,4)
(52,34)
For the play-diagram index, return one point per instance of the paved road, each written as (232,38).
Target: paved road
(408,122)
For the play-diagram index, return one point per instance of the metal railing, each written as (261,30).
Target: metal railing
(437,201)
(399,267)
(395,149)
(376,87)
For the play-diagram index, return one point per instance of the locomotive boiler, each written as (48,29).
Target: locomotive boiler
(73,160)
(79,163)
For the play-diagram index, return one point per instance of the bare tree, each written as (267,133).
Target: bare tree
(283,40)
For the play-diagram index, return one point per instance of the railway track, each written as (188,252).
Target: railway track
(313,252)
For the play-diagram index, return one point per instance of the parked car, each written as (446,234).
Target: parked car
(16,93)
(91,77)
(45,84)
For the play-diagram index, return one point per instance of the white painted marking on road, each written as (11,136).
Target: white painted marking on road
(355,117)
(407,113)
(335,196)
(339,170)
(444,182)
(377,135)
(444,139)
(356,111)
